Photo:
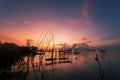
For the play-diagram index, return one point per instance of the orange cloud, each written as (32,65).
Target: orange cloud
(83,39)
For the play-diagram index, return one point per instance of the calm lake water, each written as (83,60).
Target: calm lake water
(69,66)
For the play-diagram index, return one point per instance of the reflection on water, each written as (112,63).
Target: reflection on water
(87,65)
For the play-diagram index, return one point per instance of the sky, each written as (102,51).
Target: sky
(71,21)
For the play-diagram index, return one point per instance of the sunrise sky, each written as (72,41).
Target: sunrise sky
(71,21)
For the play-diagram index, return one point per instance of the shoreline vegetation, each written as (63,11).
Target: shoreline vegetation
(10,53)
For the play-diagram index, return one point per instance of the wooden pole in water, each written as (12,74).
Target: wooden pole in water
(101,71)
(32,62)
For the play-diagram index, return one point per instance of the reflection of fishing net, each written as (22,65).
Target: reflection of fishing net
(46,41)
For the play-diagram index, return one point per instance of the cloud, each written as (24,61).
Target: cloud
(6,21)
(84,39)
(81,22)
(26,22)
(84,9)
